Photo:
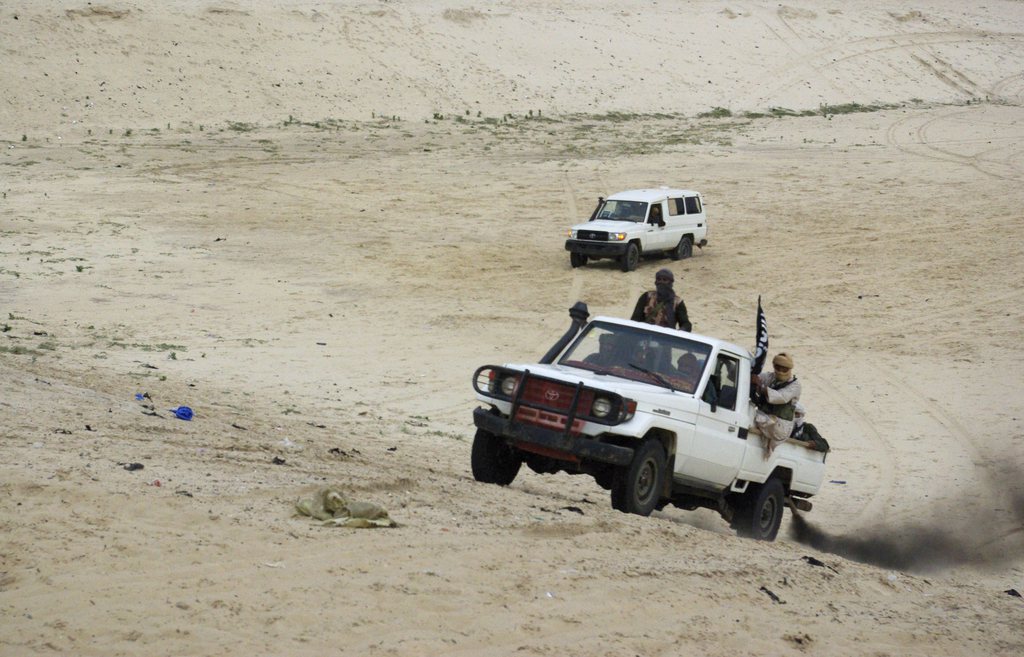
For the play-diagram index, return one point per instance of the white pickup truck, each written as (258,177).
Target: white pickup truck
(655,415)
(638,222)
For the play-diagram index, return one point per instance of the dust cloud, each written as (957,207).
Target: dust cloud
(988,541)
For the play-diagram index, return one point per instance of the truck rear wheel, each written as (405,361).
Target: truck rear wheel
(577,260)
(492,460)
(759,514)
(637,487)
(631,258)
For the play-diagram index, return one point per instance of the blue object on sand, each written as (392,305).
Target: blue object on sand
(182,412)
(138,396)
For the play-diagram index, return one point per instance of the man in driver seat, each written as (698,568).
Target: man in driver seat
(606,355)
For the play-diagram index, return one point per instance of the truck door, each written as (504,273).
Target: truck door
(720,436)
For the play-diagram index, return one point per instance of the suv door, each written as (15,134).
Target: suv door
(659,238)
(718,448)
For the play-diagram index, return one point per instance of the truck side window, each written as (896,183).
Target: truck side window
(675,207)
(692,205)
(727,368)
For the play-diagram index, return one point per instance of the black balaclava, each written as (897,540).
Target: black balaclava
(665,292)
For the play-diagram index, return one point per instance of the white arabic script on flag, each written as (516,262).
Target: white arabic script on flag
(761,351)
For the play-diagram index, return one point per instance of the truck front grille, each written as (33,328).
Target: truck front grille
(546,403)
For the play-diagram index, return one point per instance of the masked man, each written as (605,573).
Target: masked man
(662,306)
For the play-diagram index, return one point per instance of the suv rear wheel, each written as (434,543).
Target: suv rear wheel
(684,249)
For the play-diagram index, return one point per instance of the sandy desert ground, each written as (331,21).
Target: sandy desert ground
(310,222)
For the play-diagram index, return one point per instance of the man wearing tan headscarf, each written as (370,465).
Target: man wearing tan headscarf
(778,393)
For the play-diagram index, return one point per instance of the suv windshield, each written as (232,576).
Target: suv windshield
(635,211)
(630,353)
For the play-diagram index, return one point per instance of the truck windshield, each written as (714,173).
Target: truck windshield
(629,353)
(635,211)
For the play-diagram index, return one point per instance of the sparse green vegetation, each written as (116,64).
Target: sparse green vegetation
(852,108)
(146,347)
(785,111)
(18,350)
(715,113)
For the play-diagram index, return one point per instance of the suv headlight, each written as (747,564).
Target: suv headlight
(601,407)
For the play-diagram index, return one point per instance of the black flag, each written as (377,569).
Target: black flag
(761,351)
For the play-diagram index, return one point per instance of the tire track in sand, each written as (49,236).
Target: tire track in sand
(917,126)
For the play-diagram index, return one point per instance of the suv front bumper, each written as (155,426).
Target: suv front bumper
(596,249)
(550,442)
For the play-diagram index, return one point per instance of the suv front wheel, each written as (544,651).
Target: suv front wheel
(631,258)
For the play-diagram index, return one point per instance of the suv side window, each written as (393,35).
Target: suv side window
(676,207)
(692,204)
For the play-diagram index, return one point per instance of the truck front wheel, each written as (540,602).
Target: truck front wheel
(760,511)
(577,260)
(637,487)
(492,460)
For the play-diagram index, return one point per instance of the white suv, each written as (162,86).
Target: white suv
(629,224)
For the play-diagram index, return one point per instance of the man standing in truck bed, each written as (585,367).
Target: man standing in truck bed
(662,306)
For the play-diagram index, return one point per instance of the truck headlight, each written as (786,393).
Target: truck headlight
(601,407)
(616,237)
(571,234)
(508,385)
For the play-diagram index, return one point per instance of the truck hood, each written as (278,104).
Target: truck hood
(610,226)
(645,394)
